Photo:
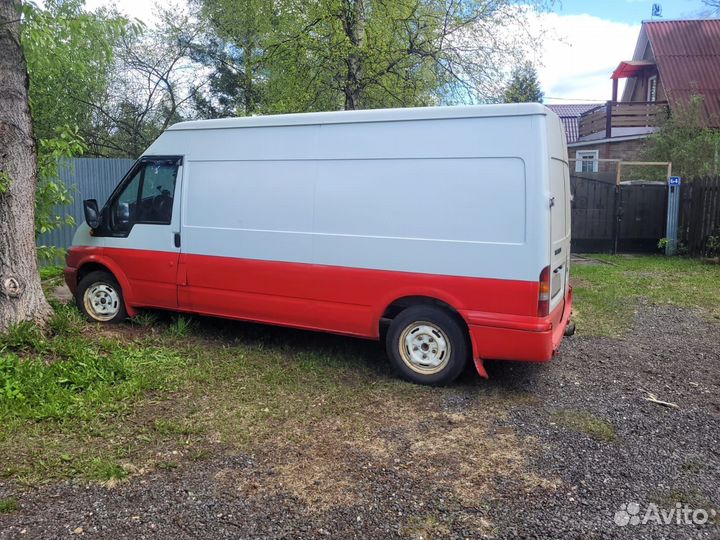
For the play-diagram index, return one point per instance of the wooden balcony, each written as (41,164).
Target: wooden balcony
(618,118)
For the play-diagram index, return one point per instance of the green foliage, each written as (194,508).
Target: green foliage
(69,53)
(693,149)
(68,375)
(145,319)
(524,86)
(5,182)
(8,505)
(235,45)
(180,327)
(52,271)
(299,55)
(712,246)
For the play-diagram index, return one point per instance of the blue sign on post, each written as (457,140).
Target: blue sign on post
(673,215)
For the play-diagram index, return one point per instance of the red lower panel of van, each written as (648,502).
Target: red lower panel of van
(340,299)
(500,313)
(495,343)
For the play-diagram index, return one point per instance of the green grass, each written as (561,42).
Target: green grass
(8,505)
(100,402)
(69,375)
(584,422)
(180,327)
(606,295)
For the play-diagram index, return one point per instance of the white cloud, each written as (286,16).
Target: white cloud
(579,54)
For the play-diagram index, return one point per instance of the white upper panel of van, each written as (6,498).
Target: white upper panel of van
(374,115)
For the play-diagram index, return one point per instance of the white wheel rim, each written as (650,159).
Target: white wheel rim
(424,347)
(101,301)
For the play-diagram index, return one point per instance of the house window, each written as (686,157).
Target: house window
(652,88)
(586,161)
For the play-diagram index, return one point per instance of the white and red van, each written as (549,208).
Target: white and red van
(445,229)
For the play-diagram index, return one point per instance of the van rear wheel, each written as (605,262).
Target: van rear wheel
(427,345)
(100,298)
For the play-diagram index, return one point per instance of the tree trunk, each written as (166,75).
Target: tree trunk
(21,295)
(354,26)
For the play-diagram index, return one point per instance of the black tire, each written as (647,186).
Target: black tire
(107,282)
(428,325)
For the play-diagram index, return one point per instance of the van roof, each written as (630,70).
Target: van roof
(372,115)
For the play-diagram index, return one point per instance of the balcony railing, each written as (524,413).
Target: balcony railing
(621,114)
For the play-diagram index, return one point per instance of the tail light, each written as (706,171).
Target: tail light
(544,293)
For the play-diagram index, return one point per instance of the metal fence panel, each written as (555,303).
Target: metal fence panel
(85,178)
(628,217)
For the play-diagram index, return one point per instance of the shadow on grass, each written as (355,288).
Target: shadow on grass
(368,356)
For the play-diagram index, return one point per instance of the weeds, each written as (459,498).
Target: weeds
(145,319)
(104,470)
(50,272)
(180,327)
(8,505)
(70,375)
(584,422)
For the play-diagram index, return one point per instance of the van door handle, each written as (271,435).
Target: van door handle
(177,239)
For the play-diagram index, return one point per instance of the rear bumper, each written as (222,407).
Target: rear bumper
(524,339)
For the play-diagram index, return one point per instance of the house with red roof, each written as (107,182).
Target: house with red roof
(673,61)
(570,115)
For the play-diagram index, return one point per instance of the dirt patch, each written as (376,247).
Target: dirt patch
(333,465)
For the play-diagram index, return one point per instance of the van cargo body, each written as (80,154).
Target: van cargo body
(457,217)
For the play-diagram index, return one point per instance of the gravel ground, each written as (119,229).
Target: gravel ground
(573,442)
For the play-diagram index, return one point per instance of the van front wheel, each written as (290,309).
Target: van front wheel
(427,345)
(100,298)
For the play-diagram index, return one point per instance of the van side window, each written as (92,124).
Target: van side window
(147,197)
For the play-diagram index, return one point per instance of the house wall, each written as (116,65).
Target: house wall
(624,150)
(639,92)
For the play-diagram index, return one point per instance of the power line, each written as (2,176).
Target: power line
(577,99)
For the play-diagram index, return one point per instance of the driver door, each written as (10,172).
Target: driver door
(143,222)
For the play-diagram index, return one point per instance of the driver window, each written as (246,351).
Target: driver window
(147,197)
(158,187)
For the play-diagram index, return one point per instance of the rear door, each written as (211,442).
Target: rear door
(560,230)
(143,219)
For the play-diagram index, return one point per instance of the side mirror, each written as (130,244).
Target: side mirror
(92,213)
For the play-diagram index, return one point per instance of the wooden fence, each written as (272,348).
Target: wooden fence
(700,215)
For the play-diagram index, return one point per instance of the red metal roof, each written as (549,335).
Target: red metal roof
(630,68)
(687,53)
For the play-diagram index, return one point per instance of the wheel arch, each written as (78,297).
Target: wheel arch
(93,264)
(404,302)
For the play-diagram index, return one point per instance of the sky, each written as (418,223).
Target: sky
(585,40)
